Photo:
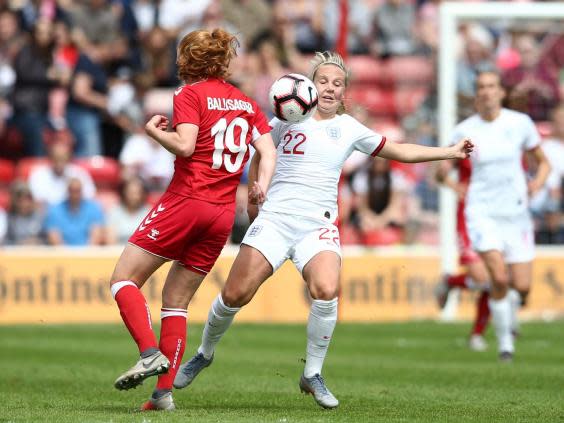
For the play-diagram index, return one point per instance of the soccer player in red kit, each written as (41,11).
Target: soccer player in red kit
(213,126)
(475,276)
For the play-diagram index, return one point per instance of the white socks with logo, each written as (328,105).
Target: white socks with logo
(320,326)
(219,319)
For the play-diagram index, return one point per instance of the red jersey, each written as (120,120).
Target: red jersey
(228,122)
(467,254)
(464,173)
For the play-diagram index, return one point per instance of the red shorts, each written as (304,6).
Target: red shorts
(467,254)
(191,231)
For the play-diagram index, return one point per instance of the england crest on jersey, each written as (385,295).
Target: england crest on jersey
(334,132)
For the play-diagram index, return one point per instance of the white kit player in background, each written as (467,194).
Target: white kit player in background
(297,220)
(497,215)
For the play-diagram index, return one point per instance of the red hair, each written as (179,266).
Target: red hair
(205,54)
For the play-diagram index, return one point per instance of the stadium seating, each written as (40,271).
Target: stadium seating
(4,198)
(408,70)
(105,171)
(7,172)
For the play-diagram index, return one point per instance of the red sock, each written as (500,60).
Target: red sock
(172,343)
(482,314)
(457,281)
(135,314)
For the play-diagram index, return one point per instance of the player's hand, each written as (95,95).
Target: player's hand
(157,122)
(256,194)
(462,149)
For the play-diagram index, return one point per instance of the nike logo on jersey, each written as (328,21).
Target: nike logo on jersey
(178,91)
(150,218)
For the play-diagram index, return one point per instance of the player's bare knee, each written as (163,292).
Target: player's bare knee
(235,296)
(324,293)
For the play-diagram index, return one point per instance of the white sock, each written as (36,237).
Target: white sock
(501,319)
(320,326)
(515,300)
(219,319)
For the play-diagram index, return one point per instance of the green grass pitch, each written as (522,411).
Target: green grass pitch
(405,372)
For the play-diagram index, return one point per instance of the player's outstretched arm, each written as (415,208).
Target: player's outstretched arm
(262,169)
(180,142)
(414,153)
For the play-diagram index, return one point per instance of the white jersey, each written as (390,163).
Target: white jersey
(498,185)
(310,158)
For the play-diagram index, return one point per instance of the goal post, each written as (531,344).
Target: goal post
(451,14)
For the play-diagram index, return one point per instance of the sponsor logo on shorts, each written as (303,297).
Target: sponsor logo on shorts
(255,230)
(153,235)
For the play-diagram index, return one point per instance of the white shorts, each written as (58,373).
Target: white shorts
(280,236)
(513,236)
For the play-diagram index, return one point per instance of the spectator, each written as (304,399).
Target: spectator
(11,41)
(96,31)
(35,10)
(306,18)
(553,57)
(124,218)
(158,60)
(380,217)
(428,25)
(65,56)
(250,17)
(76,221)
(532,89)
(145,158)
(36,77)
(393,29)
(477,56)
(264,67)
(48,183)
(88,100)
(174,15)
(11,37)
(25,220)
(359,25)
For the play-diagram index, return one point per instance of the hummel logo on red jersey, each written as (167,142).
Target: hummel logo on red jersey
(149,219)
(154,234)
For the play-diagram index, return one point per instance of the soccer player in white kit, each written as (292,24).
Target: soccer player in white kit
(296,221)
(497,215)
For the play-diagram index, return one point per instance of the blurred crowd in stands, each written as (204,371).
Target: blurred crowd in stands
(78,79)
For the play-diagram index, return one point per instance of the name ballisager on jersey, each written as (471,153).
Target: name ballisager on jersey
(229,104)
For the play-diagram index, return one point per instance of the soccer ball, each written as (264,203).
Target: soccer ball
(293,98)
